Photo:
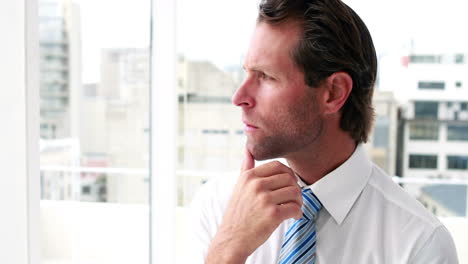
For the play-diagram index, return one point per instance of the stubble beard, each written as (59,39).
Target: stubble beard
(291,131)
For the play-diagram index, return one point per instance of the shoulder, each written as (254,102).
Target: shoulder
(396,198)
(205,214)
(211,199)
(414,226)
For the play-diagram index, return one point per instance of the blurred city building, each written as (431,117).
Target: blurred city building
(382,145)
(435,121)
(60,65)
(115,125)
(210,127)
(445,200)
(60,86)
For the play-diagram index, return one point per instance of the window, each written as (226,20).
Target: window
(457,162)
(94,123)
(99,175)
(381,132)
(458,84)
(424,130)
(210,126)
(463,106)
(422,161)
(425,59)
(459,58)
(431,85)
(426,110)
(215,131)
(457,132)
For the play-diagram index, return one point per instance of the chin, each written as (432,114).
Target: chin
(260,153)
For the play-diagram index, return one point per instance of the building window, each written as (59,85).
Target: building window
(458,84)
(457,132)
(424,131)
(381,132)
(459,58)
(431,85)
(215,131)
(426,110)
(86,190)
(425,59)
(457,162)
(464,106)
(423,161)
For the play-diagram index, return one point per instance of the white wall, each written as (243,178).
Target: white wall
(17,132)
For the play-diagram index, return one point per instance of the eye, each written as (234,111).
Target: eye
(264,76)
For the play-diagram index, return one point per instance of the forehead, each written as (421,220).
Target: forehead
(271,45)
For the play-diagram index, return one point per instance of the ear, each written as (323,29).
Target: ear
(337,89)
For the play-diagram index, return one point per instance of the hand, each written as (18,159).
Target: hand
(262,199)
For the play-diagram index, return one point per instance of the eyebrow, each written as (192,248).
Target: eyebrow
(260,68)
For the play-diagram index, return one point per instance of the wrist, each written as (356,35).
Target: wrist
(226,252)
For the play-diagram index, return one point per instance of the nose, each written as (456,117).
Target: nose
(243,95)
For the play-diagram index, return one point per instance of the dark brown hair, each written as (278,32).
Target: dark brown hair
(333,39)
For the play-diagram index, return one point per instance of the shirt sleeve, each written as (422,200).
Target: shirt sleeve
(438,249)
(199,235)
(206,212)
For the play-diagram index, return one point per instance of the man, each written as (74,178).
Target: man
(307,97)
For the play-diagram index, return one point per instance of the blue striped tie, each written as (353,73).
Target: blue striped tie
(299,243)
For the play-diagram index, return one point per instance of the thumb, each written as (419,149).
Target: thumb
(249,162)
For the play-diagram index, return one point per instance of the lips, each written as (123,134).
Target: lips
(249,125)
(248,128)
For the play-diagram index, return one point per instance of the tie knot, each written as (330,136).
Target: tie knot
(311,204)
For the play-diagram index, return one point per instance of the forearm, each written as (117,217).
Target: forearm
(225,251)
(223,257)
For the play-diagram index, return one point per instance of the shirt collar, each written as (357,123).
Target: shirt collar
(339,189)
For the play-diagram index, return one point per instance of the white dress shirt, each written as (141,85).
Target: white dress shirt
(366,218)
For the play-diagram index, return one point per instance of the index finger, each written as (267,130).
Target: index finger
(273,168)
(249,162)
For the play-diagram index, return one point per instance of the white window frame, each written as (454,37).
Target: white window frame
(163,132)
(19,112)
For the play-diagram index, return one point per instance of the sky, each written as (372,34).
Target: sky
(219,30)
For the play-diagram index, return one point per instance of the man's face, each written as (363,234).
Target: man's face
(280,111)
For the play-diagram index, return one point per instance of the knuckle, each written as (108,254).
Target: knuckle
(265,198)
(257,185)
(249,174)
(292,191)
(292,180)
(272,212)
(298,191)
(287,179)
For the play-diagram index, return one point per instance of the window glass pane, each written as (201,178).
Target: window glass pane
(426,110)
(381,132)
(457,132)
(459,58)
(210,127)
(442,199)
(413,132)
(424,59)
(423,161)
(424,130)
(94,120)
(431,85)
(445,200)
(457,162)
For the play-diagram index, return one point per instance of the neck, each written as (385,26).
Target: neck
(317,160)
